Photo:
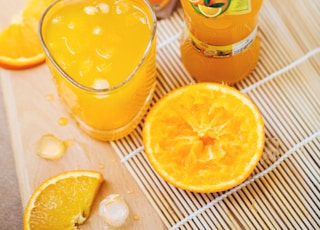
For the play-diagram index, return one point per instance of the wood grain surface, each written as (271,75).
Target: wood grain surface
(285,198)
(33,110)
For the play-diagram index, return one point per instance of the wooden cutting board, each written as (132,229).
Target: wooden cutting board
(284,198)
(33,110)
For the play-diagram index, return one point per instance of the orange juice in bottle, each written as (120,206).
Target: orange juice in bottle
(220,43)
(102,57)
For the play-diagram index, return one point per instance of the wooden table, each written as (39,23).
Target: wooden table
(285,197)
(32,115)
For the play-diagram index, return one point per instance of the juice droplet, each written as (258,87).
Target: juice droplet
(102,165)
(50,147)
(136,218)
(130,191)
(50,97)
(63,121)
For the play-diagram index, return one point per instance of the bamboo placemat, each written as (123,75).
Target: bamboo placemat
(283,192)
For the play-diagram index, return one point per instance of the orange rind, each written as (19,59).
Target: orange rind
(204,137)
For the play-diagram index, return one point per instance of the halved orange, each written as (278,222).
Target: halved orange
(62,201)
(204,137)
(19,43)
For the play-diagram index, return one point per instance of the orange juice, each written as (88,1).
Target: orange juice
(220,43)
(102,56)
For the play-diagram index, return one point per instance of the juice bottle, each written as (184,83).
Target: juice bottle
(102,57)
(220,43)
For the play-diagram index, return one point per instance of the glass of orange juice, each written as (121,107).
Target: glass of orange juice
(102,57)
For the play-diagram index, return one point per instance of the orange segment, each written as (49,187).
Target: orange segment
(35,8)
(20,46)
(63,201)
(19,43)
(204,137)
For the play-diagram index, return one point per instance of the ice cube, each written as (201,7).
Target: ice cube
(100,84)
(104,7)
(90,10)
(97,30)
(123,7)
(55,20)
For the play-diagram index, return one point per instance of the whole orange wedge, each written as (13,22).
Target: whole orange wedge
(19,43)
(204,137)
(62,201)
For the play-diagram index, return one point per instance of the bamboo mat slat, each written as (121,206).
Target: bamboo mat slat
(283,191)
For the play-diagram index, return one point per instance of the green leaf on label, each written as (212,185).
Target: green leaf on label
(196,9)
(206,2)
(217,5)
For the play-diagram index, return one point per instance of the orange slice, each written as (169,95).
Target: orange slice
(63,201)
(20,47)
(208,11)
(35,8)
(204,137)
(210,8)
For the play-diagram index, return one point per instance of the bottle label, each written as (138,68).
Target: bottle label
(239,7)
(222,51)
(214,8)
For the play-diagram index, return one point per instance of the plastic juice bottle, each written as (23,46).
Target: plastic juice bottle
(102,56)
(220,43)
